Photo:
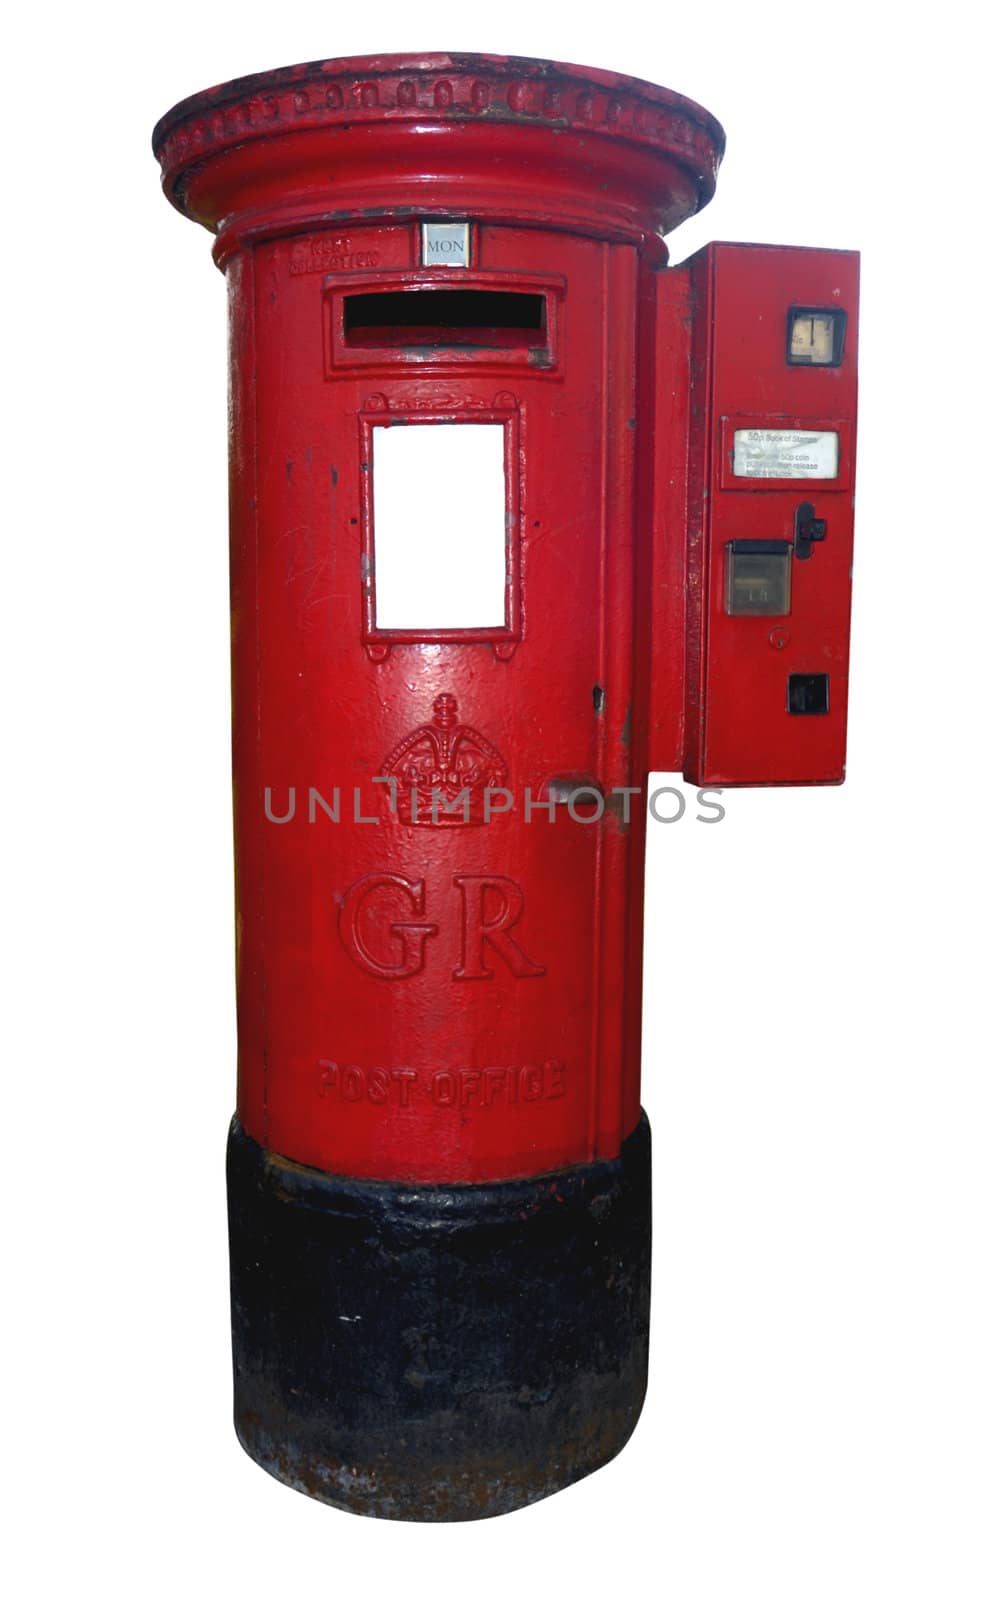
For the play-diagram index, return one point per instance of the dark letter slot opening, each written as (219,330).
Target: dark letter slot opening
(460,319)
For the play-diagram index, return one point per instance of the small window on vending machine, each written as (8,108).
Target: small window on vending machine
(758,577)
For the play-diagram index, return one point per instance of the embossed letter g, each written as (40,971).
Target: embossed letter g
(366,912)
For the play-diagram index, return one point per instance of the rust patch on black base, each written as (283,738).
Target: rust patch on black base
(437,1353)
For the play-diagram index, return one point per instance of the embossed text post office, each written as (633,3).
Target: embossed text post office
(518,514)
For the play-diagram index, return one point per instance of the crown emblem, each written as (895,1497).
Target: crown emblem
(442,770)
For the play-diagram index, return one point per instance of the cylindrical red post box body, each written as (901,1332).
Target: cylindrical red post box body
(438,1171)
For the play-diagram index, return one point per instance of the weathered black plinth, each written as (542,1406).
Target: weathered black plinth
(437,1353)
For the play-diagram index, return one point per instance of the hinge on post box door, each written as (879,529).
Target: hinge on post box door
(808,530)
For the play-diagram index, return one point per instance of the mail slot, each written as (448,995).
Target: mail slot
(451,270)
(483,319)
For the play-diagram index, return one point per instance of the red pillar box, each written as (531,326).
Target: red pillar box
(457,354)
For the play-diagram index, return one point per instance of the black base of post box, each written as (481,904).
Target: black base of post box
(437,1352)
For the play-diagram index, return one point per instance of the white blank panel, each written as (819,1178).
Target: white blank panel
(439,526)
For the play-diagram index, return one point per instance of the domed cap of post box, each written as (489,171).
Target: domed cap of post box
(494,137)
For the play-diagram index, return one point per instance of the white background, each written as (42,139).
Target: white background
(811,1065)
(426,576)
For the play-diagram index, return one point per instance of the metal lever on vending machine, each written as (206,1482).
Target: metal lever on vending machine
(808,530)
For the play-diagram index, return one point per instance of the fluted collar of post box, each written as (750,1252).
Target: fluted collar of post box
(499,137)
